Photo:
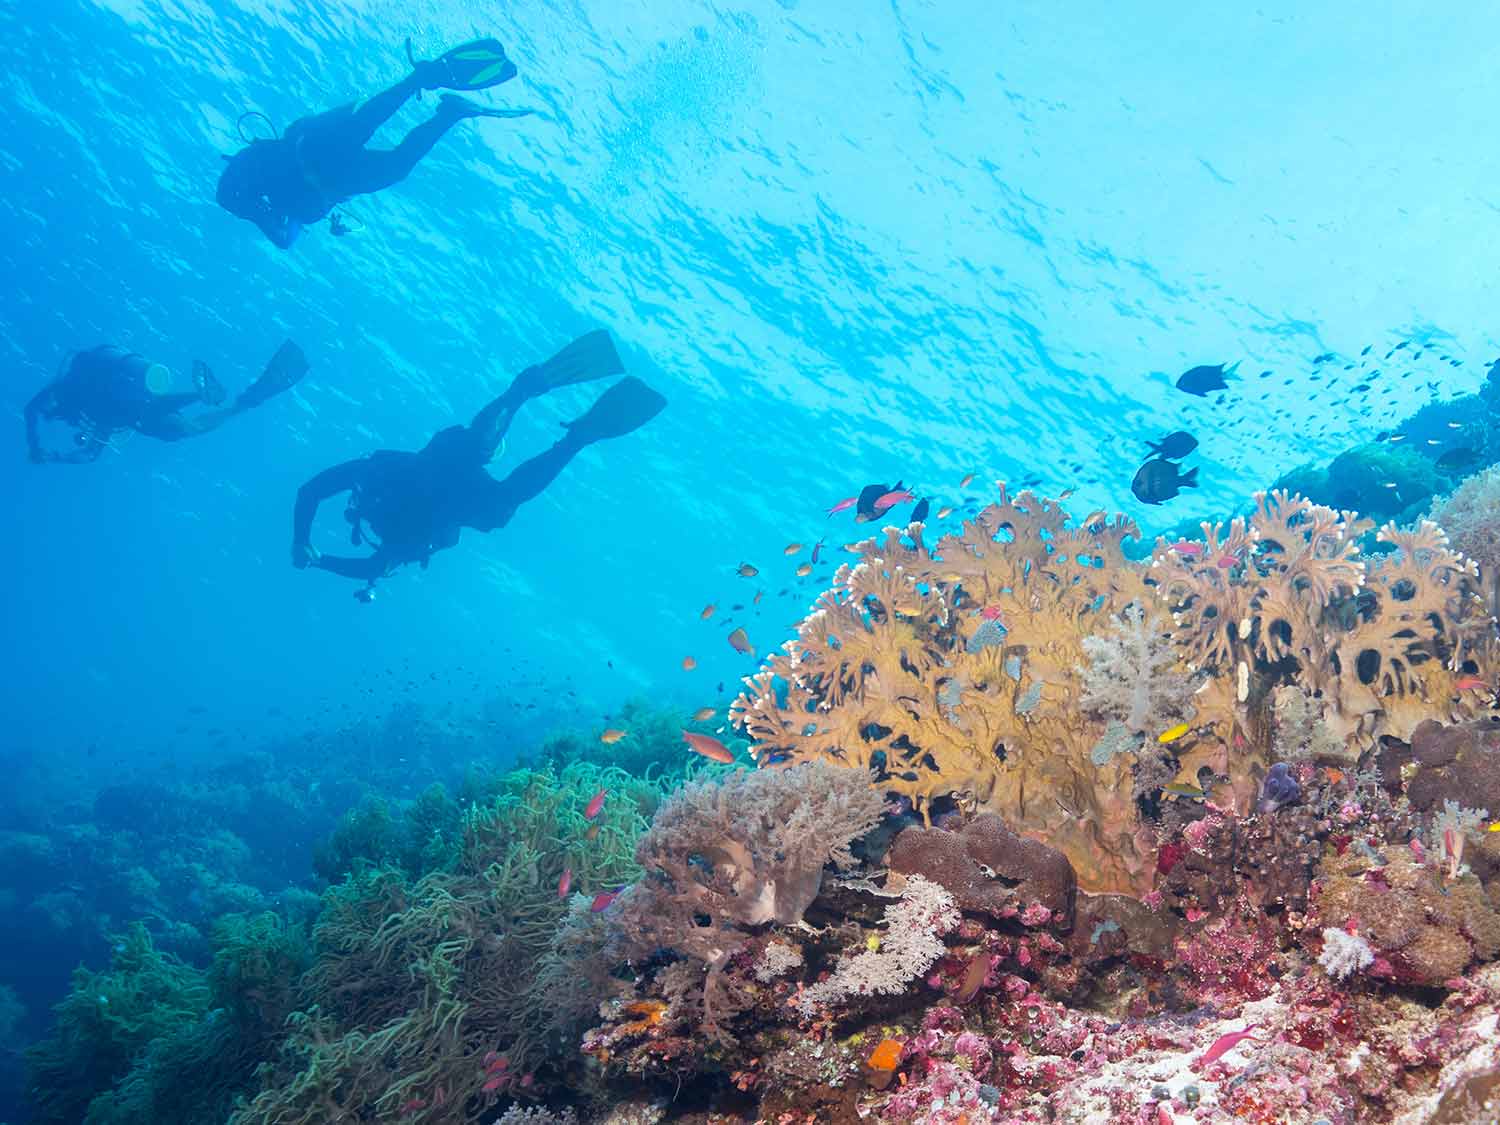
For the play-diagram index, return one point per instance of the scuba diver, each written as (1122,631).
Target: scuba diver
(410,505)
(284,184)
(107,390)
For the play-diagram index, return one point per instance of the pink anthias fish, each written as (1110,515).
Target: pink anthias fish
(1225,1043)
(1227,561)
(602,901)
(891,499)
(591,809)
(565,883)
(1186,547)
(991,613)
(843,505)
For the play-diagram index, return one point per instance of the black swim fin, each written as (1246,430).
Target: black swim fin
(476,65)
(626,406)
(591,356)
(284,371)
(455,106)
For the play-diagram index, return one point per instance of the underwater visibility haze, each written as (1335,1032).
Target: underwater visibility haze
(836,391)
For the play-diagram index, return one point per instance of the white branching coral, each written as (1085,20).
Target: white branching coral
(1449,827)
(1344,953)
(777,959)
(911,943)
(1130,676)
(1301,732)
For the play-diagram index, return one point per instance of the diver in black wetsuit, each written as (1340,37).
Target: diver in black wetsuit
(107,390)
(285,184)
(410,505)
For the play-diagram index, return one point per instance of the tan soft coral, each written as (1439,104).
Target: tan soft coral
(903,669)
(1287,599)
(954,670)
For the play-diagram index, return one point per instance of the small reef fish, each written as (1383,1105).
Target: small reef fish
(740,642)
(602,900)
(1184,789)
(944,512)
(1159,480)
(758,595)
(1205,378)
(611,736)
(745,570)
(1187,547)
(892,498)
(688,664)
(591,809)
(565,882)
(592,834)
(968,480)
(708,611)
(1174,447)
(1494,827)
(791,549)
(703,714)
(804,570)
(710,747)
(1470,683)
(865,510)
(843,506)
(1172,734)
(1226,1043)
(990,613)
(1227,561)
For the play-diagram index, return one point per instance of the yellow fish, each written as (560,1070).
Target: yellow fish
(611,736)
(1495,827)
(1172,734)
(1183,789)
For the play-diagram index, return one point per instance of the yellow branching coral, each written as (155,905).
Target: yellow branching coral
(959,669)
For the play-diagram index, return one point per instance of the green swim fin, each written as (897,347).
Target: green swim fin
(591,356)
(626,406)
(476,65)
(284,371)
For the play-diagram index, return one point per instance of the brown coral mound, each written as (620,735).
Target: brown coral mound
(962,668)
(1459,763)
(988,868)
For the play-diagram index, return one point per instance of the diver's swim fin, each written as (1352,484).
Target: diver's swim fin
(591,356)
(455,106)
(476,65)
(284,371)
(626,406)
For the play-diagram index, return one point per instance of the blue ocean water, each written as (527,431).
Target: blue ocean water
(849,242)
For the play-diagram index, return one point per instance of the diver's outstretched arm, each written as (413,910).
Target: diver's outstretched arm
(365,569)
(330,482)
(39,405)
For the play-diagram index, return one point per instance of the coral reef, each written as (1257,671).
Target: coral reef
(882,676)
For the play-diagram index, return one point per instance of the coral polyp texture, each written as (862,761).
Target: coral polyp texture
(1027,667)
